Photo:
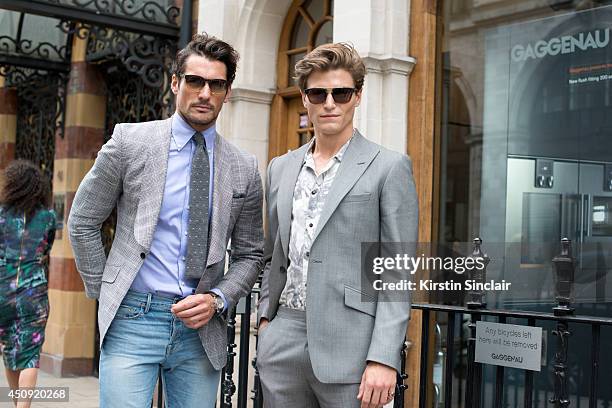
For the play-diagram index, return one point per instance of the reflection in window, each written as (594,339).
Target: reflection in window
(602,216)
(303,120)
(301,31)
(325,34)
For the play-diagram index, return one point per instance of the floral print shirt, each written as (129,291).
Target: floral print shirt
(311,190)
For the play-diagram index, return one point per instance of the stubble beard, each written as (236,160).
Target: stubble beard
(203,122)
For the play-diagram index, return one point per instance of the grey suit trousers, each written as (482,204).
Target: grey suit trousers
(286,372)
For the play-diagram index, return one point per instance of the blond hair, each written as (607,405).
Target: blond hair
(328,57)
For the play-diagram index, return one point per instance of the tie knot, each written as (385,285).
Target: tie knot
(199,140)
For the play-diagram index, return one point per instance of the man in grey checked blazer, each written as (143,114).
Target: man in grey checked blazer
(162,302)
(326,338)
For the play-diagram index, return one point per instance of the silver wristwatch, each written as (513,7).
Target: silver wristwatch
(219,304)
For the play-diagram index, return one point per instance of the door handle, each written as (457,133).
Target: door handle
(586,211)
(581,219)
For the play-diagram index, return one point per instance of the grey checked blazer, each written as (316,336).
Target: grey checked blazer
(372,199)
(130,172)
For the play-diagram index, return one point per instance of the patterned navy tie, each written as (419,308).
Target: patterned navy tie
(197,240)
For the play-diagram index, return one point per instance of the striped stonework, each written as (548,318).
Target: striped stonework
(70,336)
(8,123)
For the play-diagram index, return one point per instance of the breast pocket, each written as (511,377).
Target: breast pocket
(238,199)
(353,198)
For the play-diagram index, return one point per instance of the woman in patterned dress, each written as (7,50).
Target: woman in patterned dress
(27,230)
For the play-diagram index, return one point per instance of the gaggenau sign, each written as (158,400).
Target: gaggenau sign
(566,44)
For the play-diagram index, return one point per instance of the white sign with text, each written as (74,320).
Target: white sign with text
(509,345)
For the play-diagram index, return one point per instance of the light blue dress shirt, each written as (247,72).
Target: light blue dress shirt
(163,271)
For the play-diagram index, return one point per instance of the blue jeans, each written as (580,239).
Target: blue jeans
(143,337)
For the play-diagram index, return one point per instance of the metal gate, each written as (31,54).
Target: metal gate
(570,376)
(39,114)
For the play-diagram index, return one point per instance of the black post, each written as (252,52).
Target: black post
(450,356)
(400,387)
(186,22)
(564,274)
(477,298)
(474,374)
(243,359)
(423,378)
(228,388)
(256,391)
(476,301)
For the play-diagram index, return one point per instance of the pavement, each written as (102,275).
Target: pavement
(83,391)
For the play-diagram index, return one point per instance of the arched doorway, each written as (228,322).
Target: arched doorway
(309,23)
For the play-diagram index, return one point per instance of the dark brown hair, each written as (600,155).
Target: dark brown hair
(210,47)
(327,57)
(25,188)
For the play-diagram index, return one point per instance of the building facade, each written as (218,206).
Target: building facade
(503,106)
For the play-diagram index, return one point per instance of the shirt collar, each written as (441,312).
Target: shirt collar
(339,154)
(182,133)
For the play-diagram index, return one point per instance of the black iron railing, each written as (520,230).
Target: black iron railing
(562,315)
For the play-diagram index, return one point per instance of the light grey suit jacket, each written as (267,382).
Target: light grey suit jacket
(130,172)
(372,199)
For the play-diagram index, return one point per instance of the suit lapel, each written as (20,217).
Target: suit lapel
(359,154)
(289,175)
(153,183)
(222,201)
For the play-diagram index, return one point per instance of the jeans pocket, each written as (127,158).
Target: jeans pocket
(129,311)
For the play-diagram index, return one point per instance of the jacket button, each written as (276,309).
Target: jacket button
(282,269)
(142,255)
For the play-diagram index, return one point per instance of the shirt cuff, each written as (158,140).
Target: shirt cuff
(222,296)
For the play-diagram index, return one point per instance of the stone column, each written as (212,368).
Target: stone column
(8,123)
(71,329)
(253,27)
(383,114)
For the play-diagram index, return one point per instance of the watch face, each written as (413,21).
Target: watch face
(219,303)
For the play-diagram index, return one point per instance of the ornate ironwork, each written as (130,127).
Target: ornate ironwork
(400,387)
(149,11)
(228,388)
(130,100)
(24,47)
(473,392)
(560,397)
(42,100)
(147,56)
(256,393)
(81,30)
(564,274)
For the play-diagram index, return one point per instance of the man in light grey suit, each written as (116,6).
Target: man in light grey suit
(182,192)
(326,339)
